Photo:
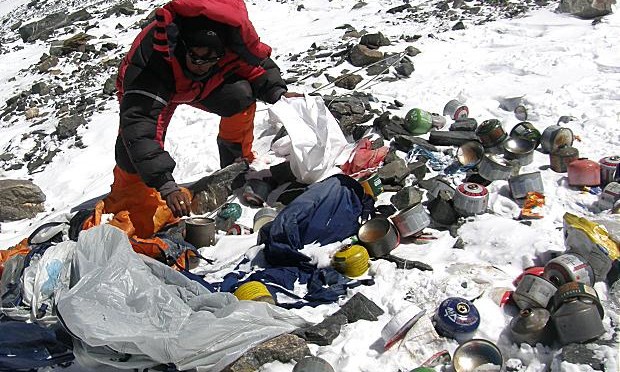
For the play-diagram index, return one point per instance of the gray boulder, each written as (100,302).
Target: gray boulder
(586,9)
(20,199)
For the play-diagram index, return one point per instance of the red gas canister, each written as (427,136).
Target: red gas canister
(584,172)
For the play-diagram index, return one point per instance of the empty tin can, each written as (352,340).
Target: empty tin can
(555,136)
(584,172)
(372,185)
(491,133)
(200,231)
(526,130)
(456,316)
(533,291)
(577,314)
(379,236)
(609,166)
(494,167)
(263,216)
(599,261)
(519,149)
(522,184)
(455,110)
(411,220)
(561,157)
(470,199)
(569,267)
(531,326)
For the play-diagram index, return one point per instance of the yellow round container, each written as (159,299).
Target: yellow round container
(351,260)
(254,291)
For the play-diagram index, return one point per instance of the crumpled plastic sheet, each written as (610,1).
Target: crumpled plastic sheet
(124,303)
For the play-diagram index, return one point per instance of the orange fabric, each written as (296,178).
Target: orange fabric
(20,248)
(239,128)
(143,205)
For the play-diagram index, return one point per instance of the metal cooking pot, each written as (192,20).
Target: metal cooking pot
(470,153)
(494,167)
(526,130)
(379,236)
(411,220)
(519,149)
(200,231)
(477,355)
(554,137)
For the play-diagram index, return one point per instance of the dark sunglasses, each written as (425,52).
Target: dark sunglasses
(201,60)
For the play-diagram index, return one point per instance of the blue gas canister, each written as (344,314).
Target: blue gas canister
(456,317)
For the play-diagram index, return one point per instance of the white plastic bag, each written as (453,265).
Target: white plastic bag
(316,139)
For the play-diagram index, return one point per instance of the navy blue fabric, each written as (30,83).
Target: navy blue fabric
(323,285)
(326,212)
(26,346)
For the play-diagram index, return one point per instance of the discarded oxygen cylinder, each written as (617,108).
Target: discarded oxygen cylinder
(569,267)
(456,317)
(418,121)
(351,260)
(531,326)
(254,291)
(470,199)
(533,291)
(577,314)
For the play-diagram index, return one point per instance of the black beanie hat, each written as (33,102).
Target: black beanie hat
(195,32)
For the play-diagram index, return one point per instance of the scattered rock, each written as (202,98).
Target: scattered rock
(284,348)
(361,55)
(586,9)
(451,138)
(359,307)
(406,197)
(20,199)
(348,81)
(67,127)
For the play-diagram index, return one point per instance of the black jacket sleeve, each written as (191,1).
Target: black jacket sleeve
(147,90)
(270,86)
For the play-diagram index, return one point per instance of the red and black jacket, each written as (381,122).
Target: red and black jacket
(153,80)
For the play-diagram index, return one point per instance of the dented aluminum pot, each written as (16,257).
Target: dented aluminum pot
(519,149)
(494,167)
(470,199)
(533,291)
(562,157)
(569,267)
(554,137)
(531,326)
(578,313)
(411,220)
(526,130)
(522,184)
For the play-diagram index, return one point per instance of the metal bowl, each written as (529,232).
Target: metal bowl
(470,153)
(379,236)
(477,355)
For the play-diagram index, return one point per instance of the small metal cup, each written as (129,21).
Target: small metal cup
(200,231)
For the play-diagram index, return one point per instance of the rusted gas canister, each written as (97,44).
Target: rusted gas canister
(561,157)
(491,133)
(577,315)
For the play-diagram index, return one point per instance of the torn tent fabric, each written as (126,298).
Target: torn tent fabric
(130,311)
(327,212)
(364,159)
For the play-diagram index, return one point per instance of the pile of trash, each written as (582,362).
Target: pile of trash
(87,293)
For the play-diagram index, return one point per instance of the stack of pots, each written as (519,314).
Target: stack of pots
(561,300)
